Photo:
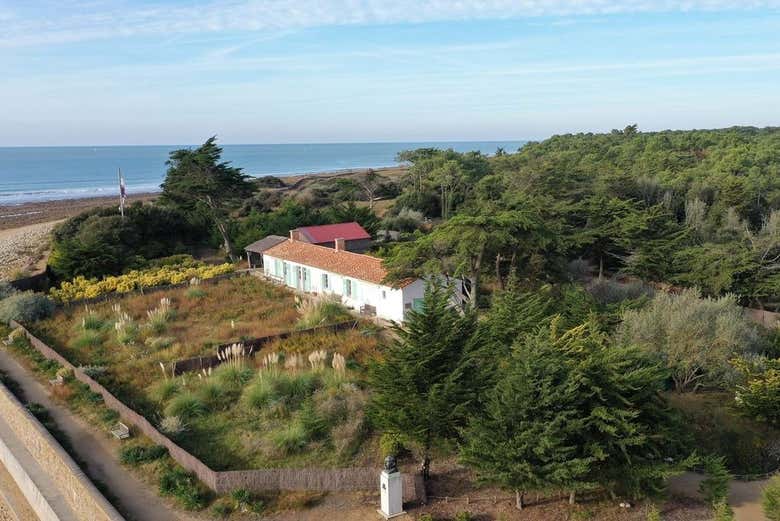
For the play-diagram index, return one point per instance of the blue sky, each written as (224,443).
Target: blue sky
(272,71)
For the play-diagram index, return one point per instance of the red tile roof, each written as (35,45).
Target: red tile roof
(330,232)
(355,265)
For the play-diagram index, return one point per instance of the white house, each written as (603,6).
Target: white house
(355,277)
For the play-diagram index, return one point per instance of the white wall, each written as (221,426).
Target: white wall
(389,302)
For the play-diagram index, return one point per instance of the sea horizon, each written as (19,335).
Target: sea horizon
(50,173)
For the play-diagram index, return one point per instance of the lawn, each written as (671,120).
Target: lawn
(299,402)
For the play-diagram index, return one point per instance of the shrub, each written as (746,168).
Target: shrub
(391,444)
(608,291)
(425,517)
(695,337)
(233,377)
(159,342)
(186,405)
(164,390)
(715,486)
(6,289)
(463,516)
(137,454)
(25,307)
(287,390)
(223,508)
(172,425)
(290,439)
(82,288)
(653,514)
(88,338)
(211,393)
(182,485)
(195,293)
(722,511)
(320,313)
(771,499)
(407,220)
(313,424)
(159,316)
(759,395)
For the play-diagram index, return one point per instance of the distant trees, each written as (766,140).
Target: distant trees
(695,337)
(694,208)
(199,181)
(570,410)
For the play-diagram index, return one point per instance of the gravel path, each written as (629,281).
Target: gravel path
(23,249)
(744,496)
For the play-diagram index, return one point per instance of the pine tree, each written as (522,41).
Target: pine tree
(573,411)
(418,391)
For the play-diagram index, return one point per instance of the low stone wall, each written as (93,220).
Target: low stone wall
(79,492)
(30,490)
(255,480)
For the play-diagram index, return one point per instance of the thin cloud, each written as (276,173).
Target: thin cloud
(56,23)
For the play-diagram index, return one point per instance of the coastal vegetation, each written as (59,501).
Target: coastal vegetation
(299,401)
(603,345)
(181,269)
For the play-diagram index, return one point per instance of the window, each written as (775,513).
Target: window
(348,287)
(417,304)
(325,281)
(384,294)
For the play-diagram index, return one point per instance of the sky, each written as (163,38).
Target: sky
(103,72)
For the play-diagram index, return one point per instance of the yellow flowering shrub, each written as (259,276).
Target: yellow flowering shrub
(83,288)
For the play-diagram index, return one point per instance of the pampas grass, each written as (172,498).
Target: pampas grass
(158,317)
(172,425)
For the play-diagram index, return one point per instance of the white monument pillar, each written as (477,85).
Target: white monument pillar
(391,491)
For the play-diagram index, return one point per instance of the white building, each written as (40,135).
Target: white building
(355,277)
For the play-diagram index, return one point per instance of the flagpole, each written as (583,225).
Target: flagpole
(121,194)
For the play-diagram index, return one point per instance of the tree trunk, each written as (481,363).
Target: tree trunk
(519,496)
(475,272)
(601,266)
(498,272)
(571,497)
(221,228)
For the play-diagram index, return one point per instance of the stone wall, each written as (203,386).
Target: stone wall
(79,492)
(312,479)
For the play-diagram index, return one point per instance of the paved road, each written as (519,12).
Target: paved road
(744,496)
(136,501)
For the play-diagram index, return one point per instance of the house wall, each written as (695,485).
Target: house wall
(389,302)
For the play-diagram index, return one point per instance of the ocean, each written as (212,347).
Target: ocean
(30,174)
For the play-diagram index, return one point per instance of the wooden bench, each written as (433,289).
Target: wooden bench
(121,431)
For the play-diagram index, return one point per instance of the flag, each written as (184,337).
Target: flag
(122,193)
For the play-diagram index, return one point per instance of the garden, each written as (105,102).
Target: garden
(297,402)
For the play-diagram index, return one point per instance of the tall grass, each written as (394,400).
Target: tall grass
(186,405)
(158,318)
(320,312)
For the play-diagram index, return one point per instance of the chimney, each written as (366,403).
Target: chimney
(295,235)
(340,245)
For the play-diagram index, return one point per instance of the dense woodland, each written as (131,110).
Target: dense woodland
(604,337)
(697,208)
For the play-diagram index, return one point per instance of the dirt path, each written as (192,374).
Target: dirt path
(744,496)
(135,500)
